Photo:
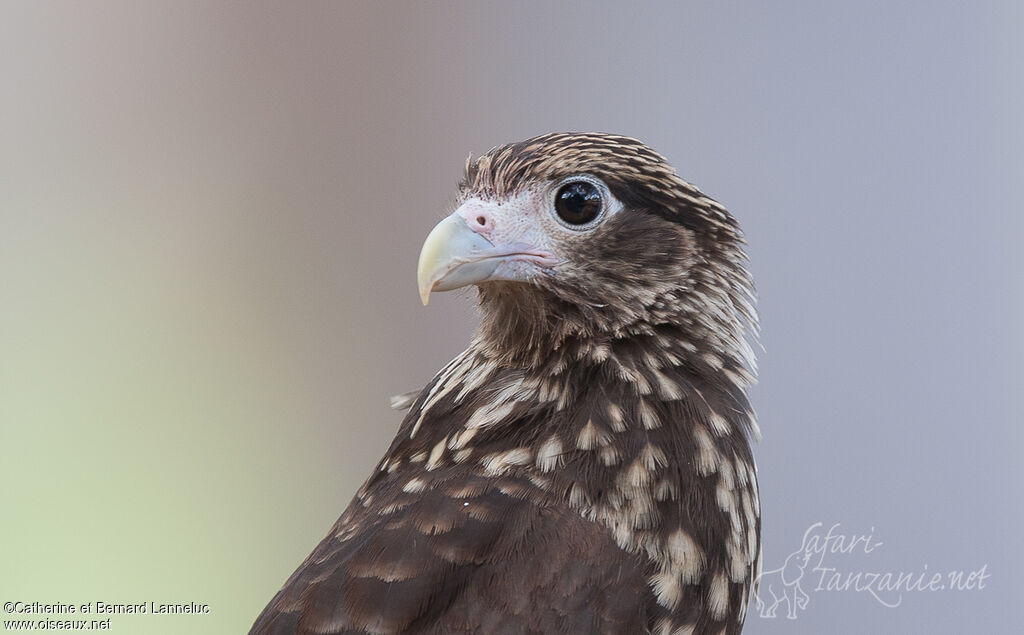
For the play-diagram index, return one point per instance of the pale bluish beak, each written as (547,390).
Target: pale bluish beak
(454,256)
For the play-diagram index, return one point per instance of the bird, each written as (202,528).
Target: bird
(586,464)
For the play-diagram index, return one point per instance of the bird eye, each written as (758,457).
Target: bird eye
(578,202)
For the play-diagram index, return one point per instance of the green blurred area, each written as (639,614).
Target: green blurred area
(137,407)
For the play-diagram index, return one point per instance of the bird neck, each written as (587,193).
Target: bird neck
(705,328)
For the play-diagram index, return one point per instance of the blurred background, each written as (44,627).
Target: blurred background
(210,216)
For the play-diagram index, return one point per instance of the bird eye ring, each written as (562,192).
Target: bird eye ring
(578,203)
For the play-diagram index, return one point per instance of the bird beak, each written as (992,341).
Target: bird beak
(484,241)
(454,256)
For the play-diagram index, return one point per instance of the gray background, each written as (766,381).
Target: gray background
(209,222)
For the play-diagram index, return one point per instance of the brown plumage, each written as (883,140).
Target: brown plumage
(584,466)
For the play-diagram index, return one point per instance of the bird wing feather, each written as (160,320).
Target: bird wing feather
(504,559)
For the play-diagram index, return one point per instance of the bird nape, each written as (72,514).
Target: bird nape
(585,465)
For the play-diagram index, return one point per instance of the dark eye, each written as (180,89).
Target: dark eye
(578,202)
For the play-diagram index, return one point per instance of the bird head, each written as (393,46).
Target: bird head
(588,235)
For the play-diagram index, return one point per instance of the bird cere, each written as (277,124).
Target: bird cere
(584,466)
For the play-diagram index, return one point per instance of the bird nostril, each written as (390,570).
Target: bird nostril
(481,221)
